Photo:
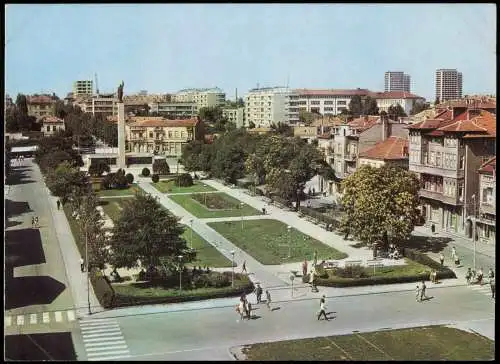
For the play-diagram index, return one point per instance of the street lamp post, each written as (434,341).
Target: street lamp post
(232,266)
(289,241)
(191,238)
(180,272)
(87,261)
(474,229)
(241,214)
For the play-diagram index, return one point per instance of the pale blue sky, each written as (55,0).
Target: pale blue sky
(164,48)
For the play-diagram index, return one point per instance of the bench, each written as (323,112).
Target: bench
(352,263)
(331,264)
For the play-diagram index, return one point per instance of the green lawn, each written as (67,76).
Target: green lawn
(127,191)
(199,210)
(113,206)
(268,241)
(170,187)
(427,343)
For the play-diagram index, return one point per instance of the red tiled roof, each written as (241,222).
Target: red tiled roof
(395,95)
(163,123)
(435,133)
(484,123)
(489,167)
(331,92)
(364,122)
(426,124)
(391,148)
(43,99)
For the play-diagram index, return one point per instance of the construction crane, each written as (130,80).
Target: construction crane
(96,84)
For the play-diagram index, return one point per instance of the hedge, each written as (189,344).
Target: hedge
(103,290)
(319,216)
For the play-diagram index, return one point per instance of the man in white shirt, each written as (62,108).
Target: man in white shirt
(322,308)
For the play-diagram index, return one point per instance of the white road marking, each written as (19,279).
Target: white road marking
(46,317)
(71,315)
(98,320)
(115,347)
(20,319)
(100,343)
(109,357)
(33,318)
(58,315)
(102,334)
(102,339)
(97,324)
(109,353)
(107,329)
(8,320)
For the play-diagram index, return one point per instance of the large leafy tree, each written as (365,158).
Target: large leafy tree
(356,106)
(147,232)
(98,168)
(66,180)
(380,203)
(396,111)
(419,107)
(369,106)
(22,104)
(282,128)
(210,115)
(306,117)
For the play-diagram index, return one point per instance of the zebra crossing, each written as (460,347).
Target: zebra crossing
(103,340)
(484,288)
(37,318)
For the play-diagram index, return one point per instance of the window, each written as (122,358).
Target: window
(328,108)
(461,192)
(48,127)
(314,102)
(488,195)
(462,160)
(170,134)
(438,159)
(426,155)
(328,102)
(432,159)
(151,134)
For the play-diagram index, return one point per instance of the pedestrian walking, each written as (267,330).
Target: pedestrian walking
(492,286)
(441,259)
(268,300)
(33,222)
(258,293)
(433,228)
(244,267)
(241,310)
(249,310)
(82,265)
(36,221)
(322,308)
(58,204)
(468,275)
(491,274)
(304,268)
(422,291)
(311,281)
(417,293)
(480,276)
(453,253)
(457,260)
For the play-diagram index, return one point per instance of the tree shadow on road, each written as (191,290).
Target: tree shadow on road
(18,176)
(26,244)
(40,347)
(27,291)
(16,208)
(426,244)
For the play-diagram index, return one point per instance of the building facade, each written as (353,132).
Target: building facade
(266,106)
(235,115)
(392,152)
(396,81)
(448,84)
(486,221)
(40,106)
(174,110)
(162,137)
(51,125)
(83,88)
(405,99)
(209,97)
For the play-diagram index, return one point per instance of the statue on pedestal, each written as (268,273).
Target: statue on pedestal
(120,92)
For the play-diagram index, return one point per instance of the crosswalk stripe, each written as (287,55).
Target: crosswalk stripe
(33,318)
(71,315)
(58,315)
(108,329)
(102,334)
(115,347)
(100,343)
(109,357)
(102,339)
(46,317)
(98,320)
(8,320)
(110,353)
(97,324)
(20,319)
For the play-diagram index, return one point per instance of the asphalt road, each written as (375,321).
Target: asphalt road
(202,334)
(36,294)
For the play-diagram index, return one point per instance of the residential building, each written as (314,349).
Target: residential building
(174,110)
(325,102)
(308,133)
(208,97)
(485,223)
(8,102)
(51,125)
(391,152)
(40,105)
(266,106)
(448,84)
(405,99)
(396,81)
(164,137)
(83,88)
(146,98)
(104,104)
(446,153)
(235,115)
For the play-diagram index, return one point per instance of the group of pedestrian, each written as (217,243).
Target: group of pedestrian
(420,292)
(34,222)
(244,308)
(19,159)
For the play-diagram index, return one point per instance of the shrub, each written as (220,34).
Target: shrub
(130,178)
(98,168)
(155,178)
(160,166)
(145,172)
(120,181)
(103,289)
(184,180)
(350,272)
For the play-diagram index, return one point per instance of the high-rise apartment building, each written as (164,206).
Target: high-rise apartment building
(448,84)
(201,97)
(396,81)
(83,88)
(266,106)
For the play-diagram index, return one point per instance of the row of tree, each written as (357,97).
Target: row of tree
(17,118)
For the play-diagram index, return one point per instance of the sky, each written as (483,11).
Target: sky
(167,47)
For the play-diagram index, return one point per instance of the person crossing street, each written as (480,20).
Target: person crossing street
(268,300)
(258,293)
(322,308)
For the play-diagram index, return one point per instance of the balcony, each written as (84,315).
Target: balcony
(437,171)
(350,157)
(486,208)
(439,196)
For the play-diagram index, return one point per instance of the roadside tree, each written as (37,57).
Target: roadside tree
(66,180)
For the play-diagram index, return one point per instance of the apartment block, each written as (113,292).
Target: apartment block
(208,97)
(446,153)
(235,115)
(103,104)
(174,110)
(41,105)
(266,106)
(325,102)
(162,137)
(83,88)
(486,229)
(396,81)
(448,84)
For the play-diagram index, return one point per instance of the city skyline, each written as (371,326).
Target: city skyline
(240,46)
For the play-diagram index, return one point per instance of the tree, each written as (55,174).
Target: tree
(282,128)
(22,103)
(370,106)
(98,168)
(184,180)
(160,166)
(130,178)
(436,101)
(380,203)
(147,232)
(356,106)
(155,178)
(145,172)
(396,111)
(66,180)
(306,117)
(251,125)
(419,106)
(210,115)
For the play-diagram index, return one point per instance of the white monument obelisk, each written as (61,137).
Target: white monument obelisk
(121,128)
